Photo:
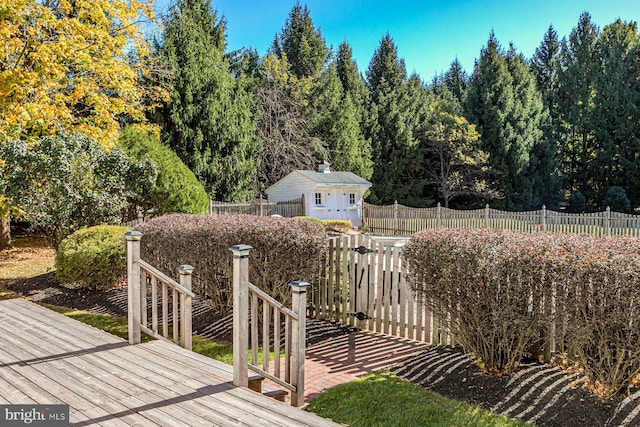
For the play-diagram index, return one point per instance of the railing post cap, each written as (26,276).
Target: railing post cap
(185,269)
(133,235)
(240,251)
(298,286)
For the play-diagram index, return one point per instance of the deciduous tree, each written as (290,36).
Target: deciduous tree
(72,65)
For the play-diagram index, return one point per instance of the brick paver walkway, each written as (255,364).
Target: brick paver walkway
(347,357)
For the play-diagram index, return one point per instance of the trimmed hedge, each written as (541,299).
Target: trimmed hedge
(176,189)
(284,250)
(498,287)
(94,257)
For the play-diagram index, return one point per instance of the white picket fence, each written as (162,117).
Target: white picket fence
(364,285)
(401,220)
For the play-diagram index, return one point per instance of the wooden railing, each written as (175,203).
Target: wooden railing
(171,308)
(278,322)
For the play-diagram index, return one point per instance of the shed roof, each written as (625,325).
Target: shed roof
(334,177)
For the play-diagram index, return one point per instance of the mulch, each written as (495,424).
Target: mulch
(537,393)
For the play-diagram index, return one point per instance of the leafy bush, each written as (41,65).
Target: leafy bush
(616,199)
(500,291)
(66,182)
(478,281)
(284,250)
(94,257)
(309,218)
(176,188)
(337,224)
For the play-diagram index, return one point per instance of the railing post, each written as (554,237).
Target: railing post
(439,216)
(240,314)
(608,226)
(185,272)
(133,281)
(298,339)
(543,219)
(486,216)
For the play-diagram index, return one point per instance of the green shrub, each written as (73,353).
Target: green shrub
(284,250)
(495,290)
(337,224)
(63,183)
(617,200)
(94,257)
(309,218)
(176,189)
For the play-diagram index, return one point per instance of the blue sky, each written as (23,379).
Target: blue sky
(428,34)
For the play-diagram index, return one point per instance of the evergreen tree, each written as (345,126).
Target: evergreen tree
(545,64)
(533,158)
(456,80)
(503,101)
(302,43)
(397,106)
(207,120)
(576,77)
(336,122)
(616,120)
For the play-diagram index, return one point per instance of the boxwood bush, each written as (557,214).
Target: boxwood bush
(500,291)
(284,250)
(94,257)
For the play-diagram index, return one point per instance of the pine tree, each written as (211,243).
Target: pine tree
(398,107)
(544,65)
(576,77)
(336,121)
(302,44)
(503,101)
(616,120)
(207,120)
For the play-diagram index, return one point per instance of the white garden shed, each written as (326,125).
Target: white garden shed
(327,194)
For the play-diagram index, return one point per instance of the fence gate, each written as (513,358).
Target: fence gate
(364,285)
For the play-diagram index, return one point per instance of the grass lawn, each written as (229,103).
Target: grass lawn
(384,400)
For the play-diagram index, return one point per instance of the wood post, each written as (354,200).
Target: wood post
(608,219)
(543,219)
(240,314)
(186,311)
(486,216)
(395,217)
(133,280)
(298,339)
(439,216)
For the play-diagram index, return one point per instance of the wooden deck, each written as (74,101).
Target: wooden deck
(47,358)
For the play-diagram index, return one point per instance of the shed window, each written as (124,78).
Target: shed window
(352,198)
(318,199)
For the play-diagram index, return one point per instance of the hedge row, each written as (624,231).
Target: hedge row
(502,290)
(284,250)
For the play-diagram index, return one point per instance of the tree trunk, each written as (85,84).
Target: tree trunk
(5,233)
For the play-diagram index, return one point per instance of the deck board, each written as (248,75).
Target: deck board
(49,358)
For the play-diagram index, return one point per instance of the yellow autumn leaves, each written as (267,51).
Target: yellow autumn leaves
(73,65)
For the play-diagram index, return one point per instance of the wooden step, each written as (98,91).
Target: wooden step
(255,383)
(277,394)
